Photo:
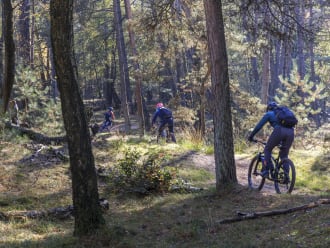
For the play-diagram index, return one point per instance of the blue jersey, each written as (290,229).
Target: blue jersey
(269,117)
(108,116)
(163,114)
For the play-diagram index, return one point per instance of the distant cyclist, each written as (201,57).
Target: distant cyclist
(108,116)
(166,118)
(280,135)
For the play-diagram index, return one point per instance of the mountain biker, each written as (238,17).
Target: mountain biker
(280,135)
(108,116)
(166,118)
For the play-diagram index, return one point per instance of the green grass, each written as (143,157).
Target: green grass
(312,172)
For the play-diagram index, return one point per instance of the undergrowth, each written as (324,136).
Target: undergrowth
(160,218)
(141,173)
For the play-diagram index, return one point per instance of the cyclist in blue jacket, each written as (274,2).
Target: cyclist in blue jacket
(166,118)
(280,135)
(108,116)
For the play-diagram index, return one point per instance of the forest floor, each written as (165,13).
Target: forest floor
(32,177)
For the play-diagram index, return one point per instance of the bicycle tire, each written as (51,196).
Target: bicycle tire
(280,185)
(255,180)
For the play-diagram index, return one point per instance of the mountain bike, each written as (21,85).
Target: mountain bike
(282,184)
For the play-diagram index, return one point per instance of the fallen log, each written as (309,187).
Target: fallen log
(248,216)
(57,213)
(38,137)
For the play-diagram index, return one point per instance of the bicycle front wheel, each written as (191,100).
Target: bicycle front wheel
(285,177)
(255,180)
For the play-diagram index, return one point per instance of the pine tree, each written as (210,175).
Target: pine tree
(301,95)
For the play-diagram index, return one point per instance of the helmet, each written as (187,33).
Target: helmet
(110,108)
(159,105)
(272,106)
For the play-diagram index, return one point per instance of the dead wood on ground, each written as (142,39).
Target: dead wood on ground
(254,215)
(57,213)
(38,137)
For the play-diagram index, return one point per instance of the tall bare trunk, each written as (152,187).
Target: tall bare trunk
(137,72)
(265,75)
(9,66)
(223,131)
(265,80)
(300,42)
(87,212)
(1,49)
(123,68)
(24,32)
(31,57)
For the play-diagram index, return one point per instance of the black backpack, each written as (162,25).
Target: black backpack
(285,117)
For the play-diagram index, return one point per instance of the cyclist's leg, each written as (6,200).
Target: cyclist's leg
(171,129)
(161,129)
(273,140)
(287,140)
(110,125)
(107,124)
(103,126)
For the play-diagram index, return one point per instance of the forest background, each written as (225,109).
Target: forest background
(156,51)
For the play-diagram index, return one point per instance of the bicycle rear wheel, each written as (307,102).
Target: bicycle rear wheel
(255,180)
(281,183)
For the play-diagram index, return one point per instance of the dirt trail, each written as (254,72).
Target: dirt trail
(242,163)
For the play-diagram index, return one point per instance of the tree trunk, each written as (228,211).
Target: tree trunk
(1,49)
(265,80)
(24,33)
(300,42)
(137,71)
(107,90)
(265,75)
(31,57)
(223,130)
(311,45)
(123,68)
(88,215)
(9,73)
(285,63)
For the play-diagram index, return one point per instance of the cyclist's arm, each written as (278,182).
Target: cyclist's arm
(260,124)
(155,117)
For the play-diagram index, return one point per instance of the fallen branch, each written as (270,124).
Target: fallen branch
(247,216)
(38,137)
(58,213)
(44,154)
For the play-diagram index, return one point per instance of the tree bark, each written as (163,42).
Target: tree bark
(88,215)
(24,33)
(223,130)
(1,48)
(265,80)
(265,75)
(123,68)
(137,71)
(300,12)
(9,72)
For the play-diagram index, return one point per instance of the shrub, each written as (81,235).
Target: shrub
(144,176)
